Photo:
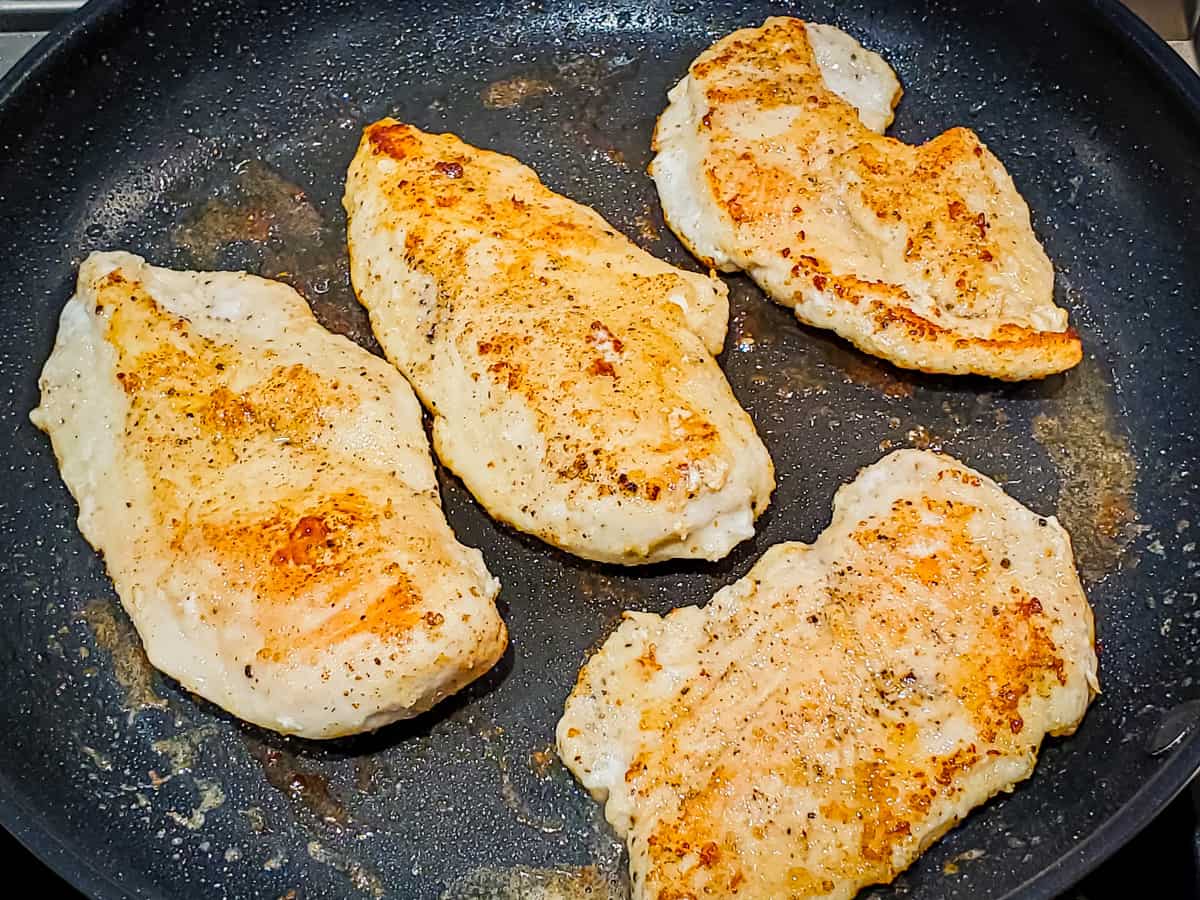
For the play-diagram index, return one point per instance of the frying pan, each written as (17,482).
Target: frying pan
(218,137)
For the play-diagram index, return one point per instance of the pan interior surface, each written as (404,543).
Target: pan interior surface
(219,138)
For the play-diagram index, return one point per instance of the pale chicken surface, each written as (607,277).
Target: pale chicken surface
(571,376)
(264,498)
(822,721)
(771,159)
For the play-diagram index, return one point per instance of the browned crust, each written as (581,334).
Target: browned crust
(927,188)
(1014,353)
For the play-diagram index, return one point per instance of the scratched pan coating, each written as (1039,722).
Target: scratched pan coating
(219,138)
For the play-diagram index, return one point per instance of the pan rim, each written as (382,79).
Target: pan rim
(20,817)
(1156,54)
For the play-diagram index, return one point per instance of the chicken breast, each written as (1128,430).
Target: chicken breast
(263,496)
(570,375)
(771,159)
(822,721)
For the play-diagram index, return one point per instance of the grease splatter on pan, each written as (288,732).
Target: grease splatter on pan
(510,92)
(528,883)
(952,865)
(308,789)
(259,206)
(182,750)
(261,222)
(924,439)
(513,799)
(583,87)
(603,877)
(369,773)
(360,876)
(210,795)
(873,373)
(1096,470)
(543,761)
(602,589)
(114,633)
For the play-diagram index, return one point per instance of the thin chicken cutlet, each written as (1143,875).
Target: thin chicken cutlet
(771,159)
(570,375)
(820,722)
(264,498)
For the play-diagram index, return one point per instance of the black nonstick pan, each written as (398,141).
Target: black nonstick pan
(216,135)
